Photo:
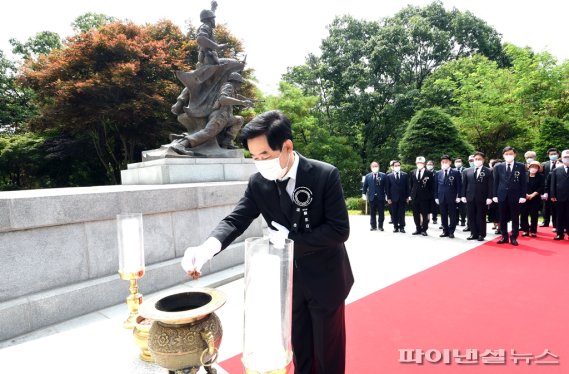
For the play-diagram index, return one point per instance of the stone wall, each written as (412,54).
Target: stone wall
(59,254)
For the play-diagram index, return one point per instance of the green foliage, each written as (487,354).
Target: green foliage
(431,133)
(40,44)
(553,133)
(356,203)
(20,160)
(91,20)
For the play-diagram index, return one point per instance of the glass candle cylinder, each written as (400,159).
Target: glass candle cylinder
(131,243)
(268,306)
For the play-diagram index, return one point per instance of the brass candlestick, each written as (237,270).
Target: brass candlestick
(133,300)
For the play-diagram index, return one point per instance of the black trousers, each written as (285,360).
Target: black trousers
(448,216)
(562,224)
(398,214)
(421,210)
(318,335)
(434,210)
(509,209)
(477,211)
(530,210)
(377,214)
(461,212)
(550,212)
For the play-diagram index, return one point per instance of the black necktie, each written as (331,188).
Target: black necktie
(397,175)
(508,171)
(284,200)
(476,173)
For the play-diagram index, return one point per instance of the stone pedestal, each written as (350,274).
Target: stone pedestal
(188,170)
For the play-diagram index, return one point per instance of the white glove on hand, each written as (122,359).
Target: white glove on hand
(463,199)
(495,199)
(437,201)
(522,200)
(488,201)
(544,197)
(278,236)
(364,197)
(457,200)
(196,257)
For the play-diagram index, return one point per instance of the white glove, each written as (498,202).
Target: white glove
(437,201)
(544,197)
(488,201)
(457,200)
(463,199)
(495,199)
(278,236)
(196,257)
(364,197)
(522,200)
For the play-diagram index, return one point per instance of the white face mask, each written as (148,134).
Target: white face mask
(420,166)
(375,169)
(396,169)
(457,164)
(445,166)
(430,167)
(509,158)
(529,160)
(565,160)
(478,163)
(271,169)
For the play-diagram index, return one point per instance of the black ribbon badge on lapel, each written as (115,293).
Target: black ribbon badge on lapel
(302,198)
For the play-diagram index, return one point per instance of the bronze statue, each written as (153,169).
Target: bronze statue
(205,106)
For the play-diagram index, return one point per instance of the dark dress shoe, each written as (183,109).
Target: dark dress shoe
(390,222)
(440,227)
(424,233)
(444,234)
(463,223)
(451,236)
(395,230)
(558,237)
(480,238)
(533,235)
(466,229)
(435,221)
(380,229)
(372,229)
(402,230)
(514,242)
(416,233)
(503,240)
(471,237)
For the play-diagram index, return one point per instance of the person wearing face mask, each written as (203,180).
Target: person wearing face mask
(530,210)
(530,157)
(397,192)
(373,191)
(510,187)
(549,211)
(421,193)
(322,276)
(471,161)
(434,206)
(559,190)
(477,194)
(493,214)
(461,207)
(447,191)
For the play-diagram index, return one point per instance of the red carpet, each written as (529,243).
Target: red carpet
(490,298)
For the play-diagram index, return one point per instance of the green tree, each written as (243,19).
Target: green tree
(20,160)
(432,133)
(40,44)
(91,20)
(553,133)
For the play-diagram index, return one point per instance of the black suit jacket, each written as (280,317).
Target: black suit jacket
(421,189)
(560,184)
(321,260)
(370,188)
(450,188)
(547,169)
(397,190)
(515,186)
(477,189)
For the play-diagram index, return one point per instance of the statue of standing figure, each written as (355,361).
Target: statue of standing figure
(205,105)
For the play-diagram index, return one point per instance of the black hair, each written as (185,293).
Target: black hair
(396,161)
(446,157)
(481,154)
(508,148)
(273,124)
(552,150)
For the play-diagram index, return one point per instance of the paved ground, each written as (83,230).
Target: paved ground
(96,343)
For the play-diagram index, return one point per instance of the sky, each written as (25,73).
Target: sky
(277,34)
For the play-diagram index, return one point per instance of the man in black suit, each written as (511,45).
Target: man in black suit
(559,190)
(461,214)
(322,276)
(373,191)
(421,193)
(434,206)
(510,187)
(397,191)
(549,207)
(477,193)
(448,183)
